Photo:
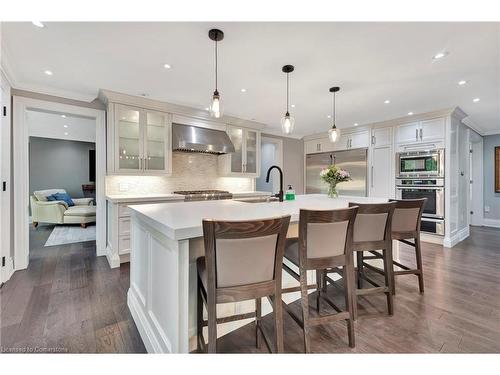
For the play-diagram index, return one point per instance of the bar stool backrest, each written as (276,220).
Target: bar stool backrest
(325,233)
(407,215)
(241,253)
(373,221)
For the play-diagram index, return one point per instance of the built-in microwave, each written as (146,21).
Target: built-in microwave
(418,164)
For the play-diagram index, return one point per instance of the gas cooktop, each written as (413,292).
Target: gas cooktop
(204,195)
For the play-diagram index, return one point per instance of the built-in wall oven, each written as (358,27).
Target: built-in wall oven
(420,174)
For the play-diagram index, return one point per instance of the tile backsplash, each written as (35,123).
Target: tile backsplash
(190,171)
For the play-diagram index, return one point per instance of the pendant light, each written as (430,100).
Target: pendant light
(287,122)
(216,103)
(334,133)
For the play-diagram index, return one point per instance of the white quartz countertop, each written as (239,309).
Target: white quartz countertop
(180,221)
(131,198)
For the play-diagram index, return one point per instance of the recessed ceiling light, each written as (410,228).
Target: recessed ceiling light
(475,100)
(65,126)
(293,105)
(38,23)
(462,82)
(387,101)
(439,55)
(207,109)
(329,116)
(410,113)
(243,90)
(167,66)
(65,133)
(356,124)
(63,116)
(48,72)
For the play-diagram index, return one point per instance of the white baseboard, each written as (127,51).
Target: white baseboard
(7,271)
(457,237)
(113,259)
(495,223)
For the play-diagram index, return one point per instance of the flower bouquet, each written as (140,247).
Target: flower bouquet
(332,176)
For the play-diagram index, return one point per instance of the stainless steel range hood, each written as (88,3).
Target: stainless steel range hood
(196,139)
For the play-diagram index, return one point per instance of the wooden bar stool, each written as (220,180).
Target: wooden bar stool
(406,227)
(243,261)
(372,233)
(324,242)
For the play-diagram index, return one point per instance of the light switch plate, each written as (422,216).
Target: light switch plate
(486,208)
(123,186)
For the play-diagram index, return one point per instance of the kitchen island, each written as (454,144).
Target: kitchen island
(166,240)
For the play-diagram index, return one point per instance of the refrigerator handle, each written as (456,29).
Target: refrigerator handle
(371,178)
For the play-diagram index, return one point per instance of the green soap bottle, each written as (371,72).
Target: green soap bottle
(290,194)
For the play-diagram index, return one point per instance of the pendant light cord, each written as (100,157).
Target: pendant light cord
(334,114)
(287,91)
(216,65)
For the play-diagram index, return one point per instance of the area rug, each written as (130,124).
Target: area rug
(65,234)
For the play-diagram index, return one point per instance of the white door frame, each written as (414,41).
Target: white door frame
(278,156)
(476,188)
(5,198)
(21,172)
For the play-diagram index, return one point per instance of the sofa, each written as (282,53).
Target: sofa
(58,212)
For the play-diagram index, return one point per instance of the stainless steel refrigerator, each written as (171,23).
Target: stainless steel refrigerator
(353,161)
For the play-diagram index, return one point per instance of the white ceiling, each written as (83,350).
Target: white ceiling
(53,125)
(371,62)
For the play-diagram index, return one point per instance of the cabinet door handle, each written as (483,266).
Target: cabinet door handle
(372,177)
(373,139)
(416,134)
(420,133)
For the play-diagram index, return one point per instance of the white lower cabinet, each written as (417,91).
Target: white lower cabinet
(118,230)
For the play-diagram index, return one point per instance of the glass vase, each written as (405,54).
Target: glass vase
(332,190)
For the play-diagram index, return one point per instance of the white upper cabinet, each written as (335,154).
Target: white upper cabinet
(433,129)
(408,133)
(381,137)
(139,141)
(421,131)
(245,161)
(318,145)
(349,141)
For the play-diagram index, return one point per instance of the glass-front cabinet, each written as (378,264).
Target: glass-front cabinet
(142,141)
(245,161)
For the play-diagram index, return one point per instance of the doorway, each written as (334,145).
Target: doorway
(271,154)
(25,110)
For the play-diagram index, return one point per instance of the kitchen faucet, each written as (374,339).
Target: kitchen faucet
(280,194)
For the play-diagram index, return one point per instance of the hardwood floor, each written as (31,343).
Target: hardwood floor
(70,301)
(459,312)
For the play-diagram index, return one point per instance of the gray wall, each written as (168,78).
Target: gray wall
(491,198)
(293,162)
(56,163)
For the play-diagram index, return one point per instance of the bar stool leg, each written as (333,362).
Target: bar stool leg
(388,279)
(258,322)
(305,309)
(199,318)
(319,282)
(350,301)
(391,270)
(278,321)
(418,254)
(359,260)
(212,326)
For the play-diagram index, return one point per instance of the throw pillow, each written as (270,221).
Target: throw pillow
(51,198)
(64,197)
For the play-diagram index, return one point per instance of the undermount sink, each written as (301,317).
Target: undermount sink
(258,200)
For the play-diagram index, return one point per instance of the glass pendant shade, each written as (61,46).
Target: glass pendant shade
(216,105)
(334,134)
(287,124)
